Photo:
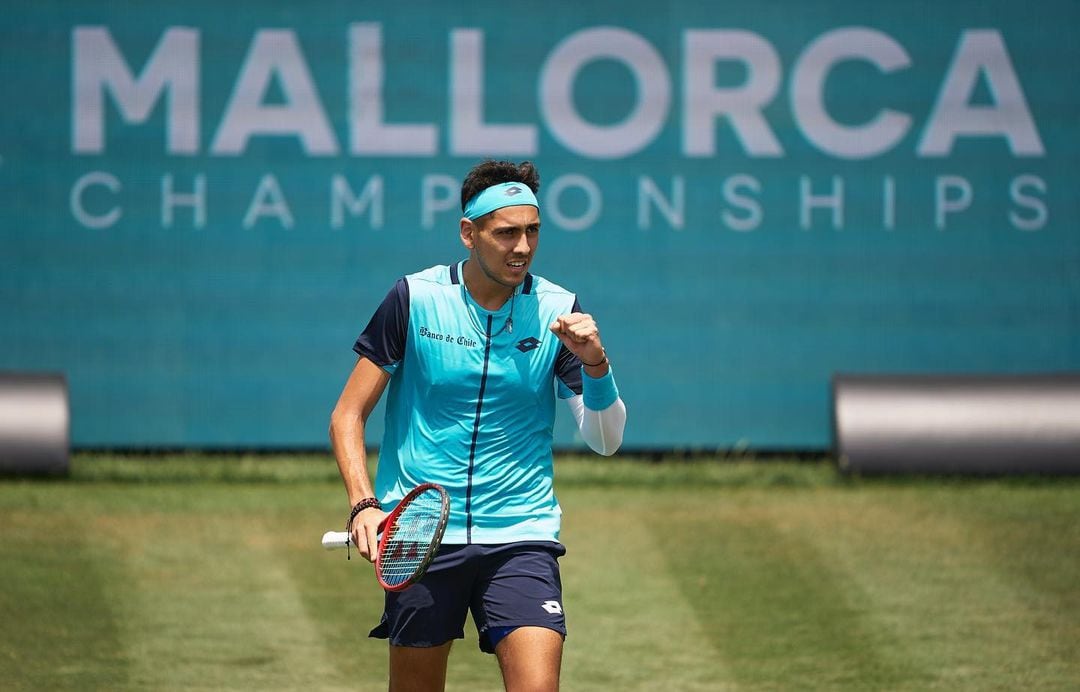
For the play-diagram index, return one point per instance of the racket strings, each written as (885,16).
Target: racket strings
(408,541)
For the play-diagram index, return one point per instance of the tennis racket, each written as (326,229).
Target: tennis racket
(409,537)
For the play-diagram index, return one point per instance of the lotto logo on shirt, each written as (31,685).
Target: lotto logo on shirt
(526,345)
(447,338)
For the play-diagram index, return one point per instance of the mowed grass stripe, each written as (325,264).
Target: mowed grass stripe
(1038,552)
(57,630)
(948,587)
(340,597)
(774,607)
(206,604)
(344,601)
(630,625)
(945,584)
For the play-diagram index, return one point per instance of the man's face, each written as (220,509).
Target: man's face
(503,242)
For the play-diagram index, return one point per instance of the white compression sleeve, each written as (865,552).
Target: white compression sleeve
(601,430)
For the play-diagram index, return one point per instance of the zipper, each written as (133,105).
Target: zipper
(476,433)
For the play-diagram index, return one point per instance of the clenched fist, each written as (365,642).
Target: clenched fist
(579,333)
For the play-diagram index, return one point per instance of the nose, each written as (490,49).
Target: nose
(521,247)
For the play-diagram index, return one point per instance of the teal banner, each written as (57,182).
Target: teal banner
(204,202)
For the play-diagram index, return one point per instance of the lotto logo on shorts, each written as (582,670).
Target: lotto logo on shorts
(552,607)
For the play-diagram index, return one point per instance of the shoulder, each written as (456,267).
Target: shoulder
(551,296)
(439,275)
(433,281)
(549,291)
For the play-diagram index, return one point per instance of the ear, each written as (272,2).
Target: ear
(467,230)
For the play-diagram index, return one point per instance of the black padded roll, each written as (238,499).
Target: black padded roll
(34,423)
(957,424)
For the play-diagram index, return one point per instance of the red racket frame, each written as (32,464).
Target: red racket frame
(433,547)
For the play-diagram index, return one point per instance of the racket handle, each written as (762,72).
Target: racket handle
(332,540)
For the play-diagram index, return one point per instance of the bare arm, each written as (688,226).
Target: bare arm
(362,391)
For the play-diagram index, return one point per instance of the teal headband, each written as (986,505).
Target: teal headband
(497,197)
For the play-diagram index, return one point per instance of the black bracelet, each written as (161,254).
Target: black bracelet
(594,365)
(366,503)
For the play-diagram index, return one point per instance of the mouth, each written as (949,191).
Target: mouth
(517,265)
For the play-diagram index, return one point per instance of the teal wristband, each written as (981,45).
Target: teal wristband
(597,393)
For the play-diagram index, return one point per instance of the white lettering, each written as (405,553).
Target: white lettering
(1037,205)
(808,202)
(275,59)
(171,199)
(342,199)
(752,207)
(469,134)
(808,93)
(703,102)
(945,204)
(644,122)
(672,210)
(75,201)
(888,202)
(432,202)
(98,66)
(275,53)
(268,200)
(369,132)
(593,206)
(981,52)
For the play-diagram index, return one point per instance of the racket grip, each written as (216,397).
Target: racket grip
(332,540)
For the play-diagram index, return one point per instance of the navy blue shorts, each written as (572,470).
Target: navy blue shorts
(505,586)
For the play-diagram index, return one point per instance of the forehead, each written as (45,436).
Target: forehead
(519,215)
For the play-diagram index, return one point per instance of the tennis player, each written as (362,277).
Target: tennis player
(473,355)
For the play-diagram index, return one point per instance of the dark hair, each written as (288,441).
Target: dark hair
(488,173)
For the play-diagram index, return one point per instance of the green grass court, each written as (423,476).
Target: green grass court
(170,573)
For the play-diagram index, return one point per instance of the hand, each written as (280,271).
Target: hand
(579,333)
(364,532)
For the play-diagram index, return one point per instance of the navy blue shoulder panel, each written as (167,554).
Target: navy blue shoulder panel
(526,287)
(383,340)
(453,274)
(567,365)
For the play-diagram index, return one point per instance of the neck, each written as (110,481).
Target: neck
(489,294)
